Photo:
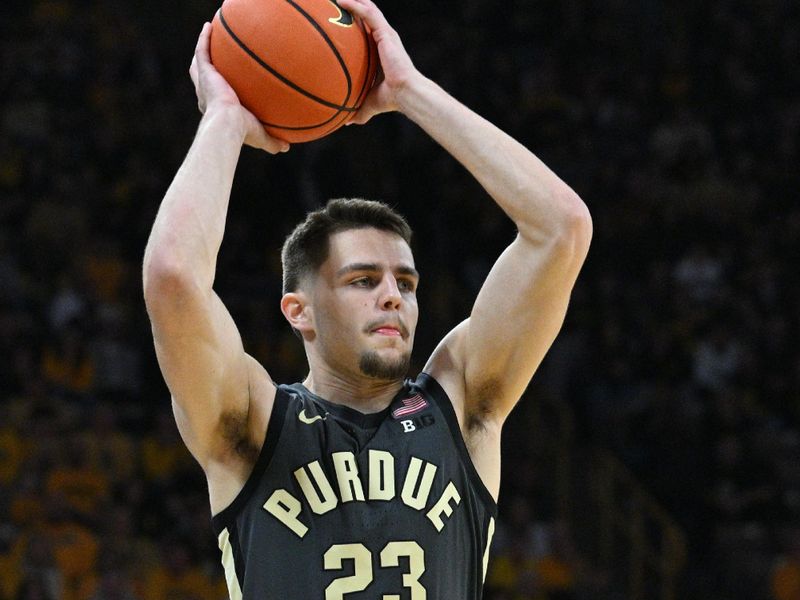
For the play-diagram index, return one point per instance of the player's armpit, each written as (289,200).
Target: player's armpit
(481,437)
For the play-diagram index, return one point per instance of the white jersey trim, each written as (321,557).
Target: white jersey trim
(231,579)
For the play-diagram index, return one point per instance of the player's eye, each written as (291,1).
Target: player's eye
(362,282)
(405,285)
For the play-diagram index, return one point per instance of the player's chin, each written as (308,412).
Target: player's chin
(386,364)
(393,352)
(377,341)
(383,351)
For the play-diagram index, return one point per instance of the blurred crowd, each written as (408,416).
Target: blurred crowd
(677,122)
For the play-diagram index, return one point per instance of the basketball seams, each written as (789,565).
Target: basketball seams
(268,79)
(336,125)
(364,87)
(330,43)
(303,127)
(366,83)
(282,78)
(332,116)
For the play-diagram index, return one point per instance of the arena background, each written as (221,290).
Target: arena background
(655,456)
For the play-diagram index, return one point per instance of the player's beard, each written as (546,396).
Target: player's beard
(372,365)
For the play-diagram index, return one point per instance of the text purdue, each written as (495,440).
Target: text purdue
(380,486)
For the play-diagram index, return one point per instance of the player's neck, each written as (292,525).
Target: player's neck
(364,394)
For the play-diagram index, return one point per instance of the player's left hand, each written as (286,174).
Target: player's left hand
(214,93)
(397,70)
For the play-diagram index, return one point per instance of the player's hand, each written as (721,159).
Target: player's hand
(397,70)
(214,93)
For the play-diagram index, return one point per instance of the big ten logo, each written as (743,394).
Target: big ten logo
(417,423)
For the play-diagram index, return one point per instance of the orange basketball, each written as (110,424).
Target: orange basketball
(303,67)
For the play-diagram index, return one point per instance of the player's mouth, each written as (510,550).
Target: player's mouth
(388,329)
(392,331)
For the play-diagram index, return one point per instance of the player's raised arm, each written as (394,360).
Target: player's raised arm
(198,346)
(521,305)
(487,361)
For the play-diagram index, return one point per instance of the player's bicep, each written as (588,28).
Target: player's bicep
(515,318)
(203,362)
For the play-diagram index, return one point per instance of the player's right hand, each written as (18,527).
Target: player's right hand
(397,71)
(214,93)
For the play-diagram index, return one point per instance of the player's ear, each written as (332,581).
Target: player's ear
(296,309)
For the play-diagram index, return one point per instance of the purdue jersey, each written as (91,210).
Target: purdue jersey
(349,506)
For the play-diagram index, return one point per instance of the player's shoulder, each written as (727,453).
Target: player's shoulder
(294,392)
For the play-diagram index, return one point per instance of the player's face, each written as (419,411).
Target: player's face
(365,304)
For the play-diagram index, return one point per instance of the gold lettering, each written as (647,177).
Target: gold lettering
(319,504)
(362,569)
(418,500)
(442,506)
(381,475)
(347,474)
(286,508)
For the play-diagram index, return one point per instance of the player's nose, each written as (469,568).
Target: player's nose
(390,296)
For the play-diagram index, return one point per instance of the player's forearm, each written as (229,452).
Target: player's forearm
(188,229)
(539,203)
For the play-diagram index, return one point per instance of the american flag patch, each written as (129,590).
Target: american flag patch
(410,406)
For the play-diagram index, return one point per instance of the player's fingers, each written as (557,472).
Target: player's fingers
(204,38)
(366,10)
(360,118)
(382,32)
(271,144)
(258,137)
(369,109)
(193,71)
(201,51)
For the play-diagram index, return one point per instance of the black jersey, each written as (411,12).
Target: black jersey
(349,506)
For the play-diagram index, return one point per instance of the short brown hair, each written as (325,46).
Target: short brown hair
(307,246)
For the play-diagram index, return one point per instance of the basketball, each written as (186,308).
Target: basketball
(302,67)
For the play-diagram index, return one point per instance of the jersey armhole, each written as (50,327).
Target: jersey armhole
(434,390)
(225,517)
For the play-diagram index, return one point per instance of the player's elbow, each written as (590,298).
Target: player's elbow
(562,223)
(573,233)
(579,222)
(166,282)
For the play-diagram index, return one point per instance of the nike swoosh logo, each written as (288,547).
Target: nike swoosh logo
(309,420)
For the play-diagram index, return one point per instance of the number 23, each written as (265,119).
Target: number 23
(362,568)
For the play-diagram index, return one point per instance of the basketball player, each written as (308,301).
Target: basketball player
(356,484)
